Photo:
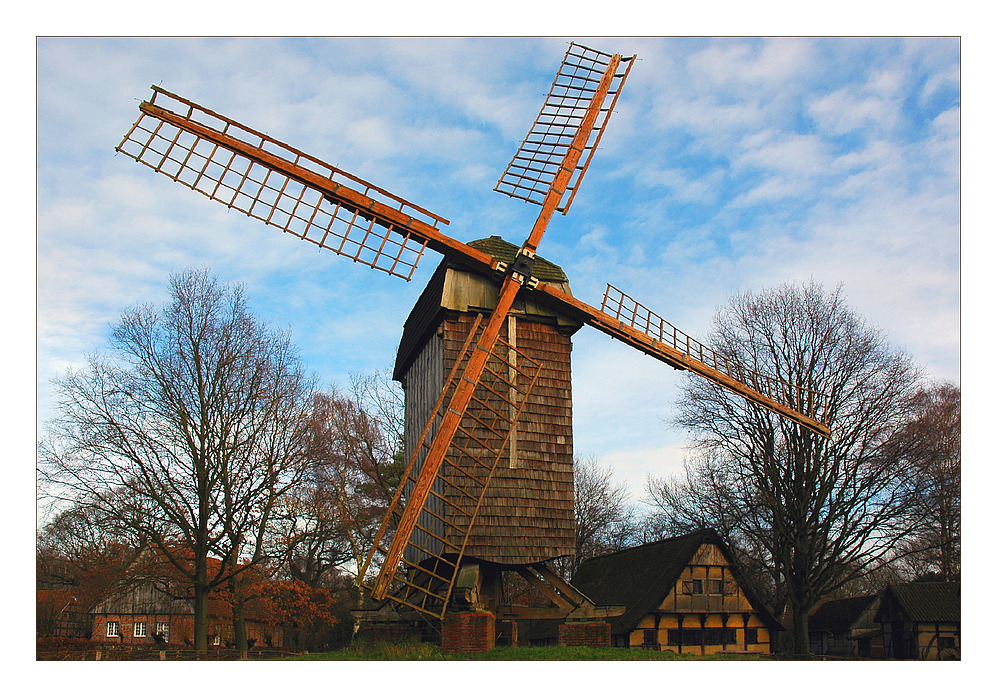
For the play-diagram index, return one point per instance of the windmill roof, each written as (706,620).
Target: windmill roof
(506,251)
(928,602)
(839,614)
(426,312)
(642,577)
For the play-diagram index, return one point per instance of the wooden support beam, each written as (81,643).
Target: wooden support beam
(591,612)
(569,591)
(548,590)
(671,355)
(521,612)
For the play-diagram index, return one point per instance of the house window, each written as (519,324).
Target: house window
(713,636)
(685,637)
(113,629)
(139,629)
(217,641)
(716,588)
(163,631)
(717,636)
(693,587)
(946,642)
(751,635)
(650,637)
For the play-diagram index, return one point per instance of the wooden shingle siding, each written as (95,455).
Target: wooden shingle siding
(527,514)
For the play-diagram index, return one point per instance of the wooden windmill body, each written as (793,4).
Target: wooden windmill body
(485,355)
(527,512)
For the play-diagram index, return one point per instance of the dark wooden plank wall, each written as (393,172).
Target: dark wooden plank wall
(423,384)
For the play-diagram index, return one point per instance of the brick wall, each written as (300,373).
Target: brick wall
(584,634)
(181,628)
(469,632)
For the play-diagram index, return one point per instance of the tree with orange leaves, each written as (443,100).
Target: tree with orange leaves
(314,616)
(186,433)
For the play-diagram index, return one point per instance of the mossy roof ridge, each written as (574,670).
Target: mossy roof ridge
(544,270)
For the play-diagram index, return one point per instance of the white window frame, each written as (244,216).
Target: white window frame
(164,629)
(140,626)
(113,629)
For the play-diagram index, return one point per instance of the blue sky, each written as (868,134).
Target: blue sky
(730,164)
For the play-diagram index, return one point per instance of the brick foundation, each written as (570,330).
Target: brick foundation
(584,634)
(468,632)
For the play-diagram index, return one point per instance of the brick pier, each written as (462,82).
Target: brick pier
(468,632)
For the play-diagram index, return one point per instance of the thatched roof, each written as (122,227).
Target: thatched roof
(642,577)
(839,614)
(926,602)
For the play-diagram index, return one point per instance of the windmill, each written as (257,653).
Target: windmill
(471,422)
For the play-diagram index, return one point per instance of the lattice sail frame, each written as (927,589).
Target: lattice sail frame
(280,186)
(631,313)
(432,556)
(532,170)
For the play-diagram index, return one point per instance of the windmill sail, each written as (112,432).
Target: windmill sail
(511,285)
(532,170)
(625,319)
(284,187)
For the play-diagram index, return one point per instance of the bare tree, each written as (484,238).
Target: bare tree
(930,447)
(815,513)
(309,534)
(605,519)
(186,433)
(355,464)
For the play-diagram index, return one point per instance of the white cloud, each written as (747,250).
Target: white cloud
(743,66)
(732,164)
(844,111)
(681,184)
(798,155)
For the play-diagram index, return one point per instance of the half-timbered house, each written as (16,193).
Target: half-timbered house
(682,594)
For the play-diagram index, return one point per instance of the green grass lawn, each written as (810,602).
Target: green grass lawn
(432,652)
